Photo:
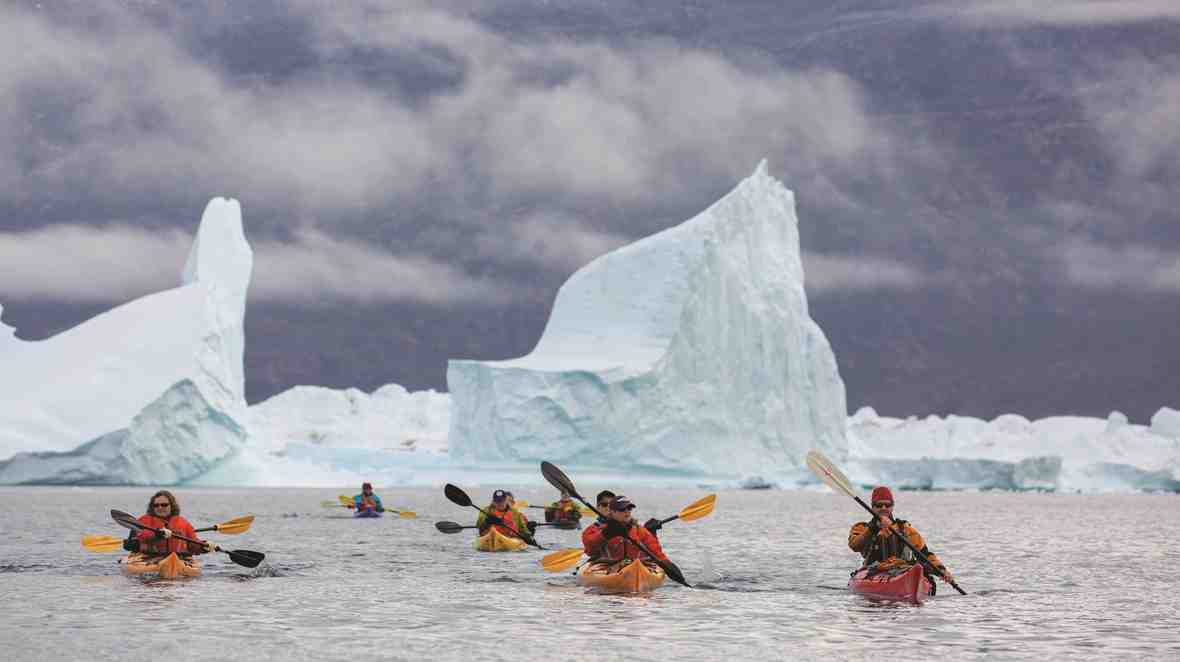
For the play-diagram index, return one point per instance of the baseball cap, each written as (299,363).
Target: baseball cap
(499,495)
(621,503)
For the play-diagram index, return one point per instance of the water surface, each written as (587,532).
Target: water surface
(1049,577)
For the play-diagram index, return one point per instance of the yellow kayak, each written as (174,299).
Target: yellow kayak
(167,567)
(495,541)
(622,577)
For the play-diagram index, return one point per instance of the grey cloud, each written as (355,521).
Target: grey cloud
(829,274)
(1127,267)
(1133,104)
(317,267)
(119,263)
(87,263)
(549,239)
(1057,12)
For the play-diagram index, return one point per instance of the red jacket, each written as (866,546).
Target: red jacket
(597,546)
(151,545)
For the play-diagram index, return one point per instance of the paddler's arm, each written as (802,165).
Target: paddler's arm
(859,536)
(377,500)
(919,543)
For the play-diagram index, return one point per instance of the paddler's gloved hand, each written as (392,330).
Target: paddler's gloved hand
(947,576)
(492,519)
(613,529)
(131,545)
(210,547)
(653,525)
(164,532)
(532,526)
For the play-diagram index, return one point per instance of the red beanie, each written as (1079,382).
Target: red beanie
(881,493)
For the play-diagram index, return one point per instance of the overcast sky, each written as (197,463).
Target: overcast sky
(476,153)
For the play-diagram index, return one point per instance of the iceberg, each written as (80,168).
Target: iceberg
(1061,453)
(688,352)
(95,378)
(178,437)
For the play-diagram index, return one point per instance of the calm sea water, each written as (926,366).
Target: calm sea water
(1049,577)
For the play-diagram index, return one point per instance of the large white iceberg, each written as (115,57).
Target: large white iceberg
(177,438)
(95,378)
(690,352)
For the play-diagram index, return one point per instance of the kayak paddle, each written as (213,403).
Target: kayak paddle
(347,502)
(233,527)
(562,482)
(455,527)
(242,557)
(823,468)
(460,498)
(567,558)
(102,543)
(113,544)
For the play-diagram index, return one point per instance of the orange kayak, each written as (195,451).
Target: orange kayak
(622,577)
(167,567)
(495,541)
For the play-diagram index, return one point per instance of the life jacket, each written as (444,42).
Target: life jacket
(372,502)
(599,548)
(512,518)
(150,545)
(882,548)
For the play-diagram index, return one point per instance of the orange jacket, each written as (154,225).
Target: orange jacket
(151,545)
(887,547)
(597,546)
(515,523)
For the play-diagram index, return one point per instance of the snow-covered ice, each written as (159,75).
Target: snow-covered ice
(685,358)
(94,378)
(690,351)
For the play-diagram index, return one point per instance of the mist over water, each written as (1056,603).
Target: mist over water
(1049,576)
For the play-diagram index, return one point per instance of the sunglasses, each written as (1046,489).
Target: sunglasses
(882,504)
(162,505)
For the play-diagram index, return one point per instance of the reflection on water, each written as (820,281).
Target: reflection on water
(1048,576)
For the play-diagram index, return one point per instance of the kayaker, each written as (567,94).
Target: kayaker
(367,500)
(507,521)
(877,542)
(605,542)
(163,513)
(563,510)
(530,525)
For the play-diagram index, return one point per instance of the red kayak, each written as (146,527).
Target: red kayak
(900,584)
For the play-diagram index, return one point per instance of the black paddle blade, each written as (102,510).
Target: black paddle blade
(245,557)
(448,527)
(673,571)
(126,520)
(559,480)
(457,496)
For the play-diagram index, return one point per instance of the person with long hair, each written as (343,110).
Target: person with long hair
(163,514)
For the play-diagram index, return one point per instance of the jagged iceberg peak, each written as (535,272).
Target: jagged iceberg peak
(94,378)
(690,350)
(221,261)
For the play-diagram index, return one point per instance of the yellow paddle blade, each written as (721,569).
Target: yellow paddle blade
(521,504)
(331,504)
(345,501)
(823,468)
(407,514)
(236,525)
(561,560)
(102,543)
(698,509)
(586,511)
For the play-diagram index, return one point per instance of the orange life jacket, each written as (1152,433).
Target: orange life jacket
(597,546)
(151,545)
